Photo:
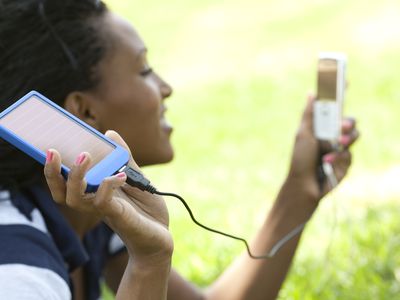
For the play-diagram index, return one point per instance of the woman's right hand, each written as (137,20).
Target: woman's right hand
(139,218)
(308,152)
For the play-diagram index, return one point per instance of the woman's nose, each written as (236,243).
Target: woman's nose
(166,89)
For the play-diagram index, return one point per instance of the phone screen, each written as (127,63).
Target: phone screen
(327,77)
(44,127)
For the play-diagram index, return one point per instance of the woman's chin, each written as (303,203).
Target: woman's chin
(168,157)
(161,158)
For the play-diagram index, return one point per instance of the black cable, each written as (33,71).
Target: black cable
(136,179)
(211,229)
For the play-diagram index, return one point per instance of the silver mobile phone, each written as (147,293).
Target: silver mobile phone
(328,107)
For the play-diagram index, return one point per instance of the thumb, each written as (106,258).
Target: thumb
(308,114)
(113,135)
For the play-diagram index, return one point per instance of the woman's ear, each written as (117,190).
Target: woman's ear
(82,106)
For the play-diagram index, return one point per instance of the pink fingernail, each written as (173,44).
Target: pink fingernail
(344,140)
(80,159)
(329,158)
(347,124)
(121,175)
(49,156)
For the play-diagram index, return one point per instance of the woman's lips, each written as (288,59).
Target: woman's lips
(165,125)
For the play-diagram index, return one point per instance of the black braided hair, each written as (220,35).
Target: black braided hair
(52,46)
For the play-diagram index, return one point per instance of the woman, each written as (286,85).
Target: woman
(94,64)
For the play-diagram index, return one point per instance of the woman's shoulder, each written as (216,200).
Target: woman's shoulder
(12,217)
(29,257)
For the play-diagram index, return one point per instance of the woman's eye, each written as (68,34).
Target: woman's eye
(146,71)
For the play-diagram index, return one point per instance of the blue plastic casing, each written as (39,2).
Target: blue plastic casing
(108,166)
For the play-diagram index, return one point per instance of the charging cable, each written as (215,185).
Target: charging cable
(330,174)
(136,179)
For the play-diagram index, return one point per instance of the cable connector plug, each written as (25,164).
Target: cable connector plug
(136,179)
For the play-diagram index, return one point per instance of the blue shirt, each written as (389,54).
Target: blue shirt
(38,249)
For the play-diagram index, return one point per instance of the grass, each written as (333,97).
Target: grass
(241,71)
(362,261)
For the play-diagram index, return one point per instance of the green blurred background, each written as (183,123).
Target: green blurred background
(241,70)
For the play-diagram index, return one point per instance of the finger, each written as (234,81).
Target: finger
(341,164)
(329,157)
(76,183)
(54,179)
(348,125)
(104,202)
(113,135)
(348,139)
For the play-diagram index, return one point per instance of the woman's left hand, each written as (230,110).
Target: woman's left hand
(140,218)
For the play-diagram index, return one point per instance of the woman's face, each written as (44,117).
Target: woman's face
(130,97)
